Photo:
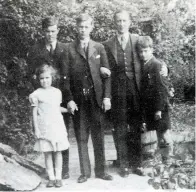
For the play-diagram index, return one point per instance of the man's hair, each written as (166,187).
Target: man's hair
(144,42)
(121,11)
(45,67)
(49,21)
(84,17)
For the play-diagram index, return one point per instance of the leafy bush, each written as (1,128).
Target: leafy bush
(170,23)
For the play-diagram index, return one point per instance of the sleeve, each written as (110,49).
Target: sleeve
(60,96)
(106,82)
(33,100)
(159,89)
(66,76)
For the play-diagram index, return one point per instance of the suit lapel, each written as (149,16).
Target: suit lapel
(91,48)
(112,44)
(79,48)
(58,49)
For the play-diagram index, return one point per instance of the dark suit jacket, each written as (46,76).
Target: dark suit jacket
(38,53)
(154,87)
(75,61)
(154,95)
(118,88)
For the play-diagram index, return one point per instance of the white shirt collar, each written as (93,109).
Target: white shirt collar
(84,41)
(125,35)
(148,60)
(53,45)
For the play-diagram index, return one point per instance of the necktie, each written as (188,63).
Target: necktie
(51,50)
(85,48)
(123,42)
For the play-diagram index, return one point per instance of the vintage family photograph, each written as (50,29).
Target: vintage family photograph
(97,95)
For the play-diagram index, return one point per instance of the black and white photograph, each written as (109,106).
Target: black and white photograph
(97,95)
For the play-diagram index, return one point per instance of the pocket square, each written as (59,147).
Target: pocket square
(98,56)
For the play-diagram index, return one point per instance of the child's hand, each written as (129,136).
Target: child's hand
(158,115)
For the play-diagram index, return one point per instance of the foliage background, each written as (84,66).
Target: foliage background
(170,23)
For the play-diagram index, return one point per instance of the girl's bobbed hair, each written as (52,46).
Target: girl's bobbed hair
(45,67)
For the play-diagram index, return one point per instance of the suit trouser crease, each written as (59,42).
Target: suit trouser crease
(86,121)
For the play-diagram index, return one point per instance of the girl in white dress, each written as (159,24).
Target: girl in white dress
(48,123)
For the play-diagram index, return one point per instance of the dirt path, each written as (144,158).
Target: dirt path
(132,183)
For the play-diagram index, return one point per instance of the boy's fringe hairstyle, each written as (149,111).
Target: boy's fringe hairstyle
(144,42)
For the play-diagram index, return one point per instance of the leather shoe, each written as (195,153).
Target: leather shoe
(82,179)
(51,183)
(124,172)
(65,176)
(105,176)
(58,183)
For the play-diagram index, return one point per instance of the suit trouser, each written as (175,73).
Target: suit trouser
(88,119)
(128,143)
(65,154)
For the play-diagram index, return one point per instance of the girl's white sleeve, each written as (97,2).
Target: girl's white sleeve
(33,100)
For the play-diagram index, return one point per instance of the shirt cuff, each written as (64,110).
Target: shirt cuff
(106,99)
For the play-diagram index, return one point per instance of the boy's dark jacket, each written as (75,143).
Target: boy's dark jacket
(39,54)
(154,87)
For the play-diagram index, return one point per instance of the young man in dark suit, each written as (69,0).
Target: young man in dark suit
(87,95)
(50,50)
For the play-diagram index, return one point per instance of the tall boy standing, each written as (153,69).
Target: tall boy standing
(86,93)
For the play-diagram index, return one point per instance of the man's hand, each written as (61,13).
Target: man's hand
(158,115)
(105,73)
(106,104)
(72,107)
(164,70)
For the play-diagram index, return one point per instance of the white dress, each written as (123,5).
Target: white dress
(50,120)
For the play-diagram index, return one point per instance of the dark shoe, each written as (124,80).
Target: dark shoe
(124,172)
(51,183)
(82,179)
(58,183)
(105,176)
(65,176)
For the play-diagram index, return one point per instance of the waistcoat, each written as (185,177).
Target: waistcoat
(124,58)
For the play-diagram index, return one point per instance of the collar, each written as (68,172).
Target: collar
(84,42)
(125,35)
(148,60)
(54,43)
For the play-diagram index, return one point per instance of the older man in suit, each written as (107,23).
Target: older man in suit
(86,93)
(50,50)
(126,77)
(126,73)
